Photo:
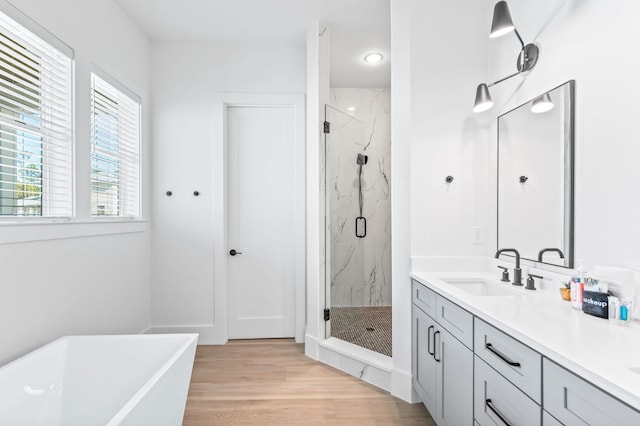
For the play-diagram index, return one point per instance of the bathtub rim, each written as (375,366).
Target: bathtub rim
(192,339)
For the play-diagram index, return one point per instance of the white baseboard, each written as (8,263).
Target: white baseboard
(402,387)
(208,335)
(311,346)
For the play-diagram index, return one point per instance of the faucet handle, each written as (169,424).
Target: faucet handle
(531,283)
(505,274)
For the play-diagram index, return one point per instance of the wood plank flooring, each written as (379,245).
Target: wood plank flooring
(272,382)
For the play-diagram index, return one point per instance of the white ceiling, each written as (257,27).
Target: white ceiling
(356,26)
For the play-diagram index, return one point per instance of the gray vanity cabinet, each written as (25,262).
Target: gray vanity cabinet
(466,371)
(442,365)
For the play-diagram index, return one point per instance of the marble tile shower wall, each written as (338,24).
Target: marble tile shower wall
(360,268)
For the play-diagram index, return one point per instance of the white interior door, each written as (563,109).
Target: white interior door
(260,218)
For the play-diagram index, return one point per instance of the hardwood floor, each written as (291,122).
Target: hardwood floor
(272,382)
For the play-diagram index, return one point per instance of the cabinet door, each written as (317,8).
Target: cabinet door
(573,401)
(424,364)
(454,380)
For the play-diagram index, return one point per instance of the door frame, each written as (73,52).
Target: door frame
(221,280)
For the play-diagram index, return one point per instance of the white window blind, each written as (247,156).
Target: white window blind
(36,144)
(115,151)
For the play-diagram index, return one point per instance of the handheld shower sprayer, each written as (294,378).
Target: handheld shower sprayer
(361,221)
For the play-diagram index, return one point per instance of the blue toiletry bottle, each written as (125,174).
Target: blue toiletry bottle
(624,311)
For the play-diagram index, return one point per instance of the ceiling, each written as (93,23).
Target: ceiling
(357,27)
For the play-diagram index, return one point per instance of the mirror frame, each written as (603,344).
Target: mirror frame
(569,142)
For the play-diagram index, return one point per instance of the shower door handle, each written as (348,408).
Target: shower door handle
(233,252)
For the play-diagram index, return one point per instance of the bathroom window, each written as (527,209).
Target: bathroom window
(115,150)
(36,137)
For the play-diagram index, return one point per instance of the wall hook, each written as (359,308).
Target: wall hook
(449,179)
(196,193)
(169,193)
(523,179)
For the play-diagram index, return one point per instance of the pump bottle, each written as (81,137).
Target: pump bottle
(577,285)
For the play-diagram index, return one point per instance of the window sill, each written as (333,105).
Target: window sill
(56,229)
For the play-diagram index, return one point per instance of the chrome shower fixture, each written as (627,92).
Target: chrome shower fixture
(527,58)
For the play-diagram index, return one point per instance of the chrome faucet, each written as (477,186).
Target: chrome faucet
(543,251)
(517,272)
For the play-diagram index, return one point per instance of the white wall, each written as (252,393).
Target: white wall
(447,138)
(436,66)
(186,80)
(86,284)
(588,41)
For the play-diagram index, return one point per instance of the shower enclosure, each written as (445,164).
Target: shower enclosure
(357,231)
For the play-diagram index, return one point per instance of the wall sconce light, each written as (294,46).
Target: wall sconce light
(527,58)
(542,104)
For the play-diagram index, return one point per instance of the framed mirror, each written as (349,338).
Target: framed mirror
(535,177)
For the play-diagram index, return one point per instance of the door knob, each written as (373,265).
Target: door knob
(233,252)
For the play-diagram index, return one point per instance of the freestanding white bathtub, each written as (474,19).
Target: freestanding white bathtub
(100,380)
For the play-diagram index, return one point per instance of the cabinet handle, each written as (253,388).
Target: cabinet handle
(435,346)
(429,330)
(490,406)
(489,347)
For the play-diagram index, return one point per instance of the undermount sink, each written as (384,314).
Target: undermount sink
(482,287)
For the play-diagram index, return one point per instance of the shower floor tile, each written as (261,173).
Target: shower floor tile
(369,327)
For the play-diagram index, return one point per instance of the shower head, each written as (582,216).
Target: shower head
(362,159)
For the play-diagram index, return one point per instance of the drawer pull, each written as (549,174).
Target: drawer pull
(490,406)
(429,330)
(489,347)
(435,346)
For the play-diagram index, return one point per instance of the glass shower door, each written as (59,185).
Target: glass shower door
(344,220)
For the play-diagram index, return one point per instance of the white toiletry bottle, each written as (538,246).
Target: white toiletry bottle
(577,285)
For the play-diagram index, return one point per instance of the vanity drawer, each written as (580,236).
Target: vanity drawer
(520,364)
(424,298)
(495,397)
(575,401)
(455,320)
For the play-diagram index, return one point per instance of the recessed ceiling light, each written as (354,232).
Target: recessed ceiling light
(373,58)
(351,109)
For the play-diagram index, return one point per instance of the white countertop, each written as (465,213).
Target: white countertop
(602,352)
